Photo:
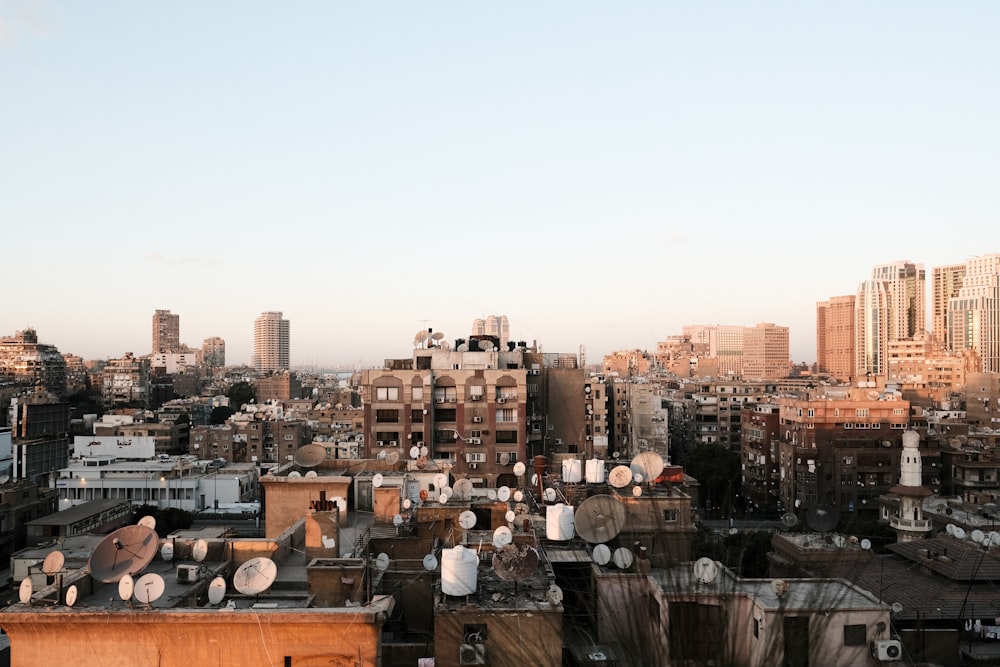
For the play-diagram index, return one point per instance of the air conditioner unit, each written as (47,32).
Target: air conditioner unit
(439,399)
(477,397)
(590,437)
(392,443)
(477,419)
(420,443)
(475,441)
(888,650)
(473,466)
(500,400)
(380,443)
(187,574)
(536,372)
(472,654)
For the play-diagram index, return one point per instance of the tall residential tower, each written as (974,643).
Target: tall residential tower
(166,332)
(271,342)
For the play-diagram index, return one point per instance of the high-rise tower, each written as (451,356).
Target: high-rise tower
(945,283)
(907,293)
(835,336)
(271,342)
(974,314)
(871,321)
(166,332)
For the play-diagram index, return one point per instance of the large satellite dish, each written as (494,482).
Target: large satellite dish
(649,465)
(200,550)
(705,570)
(620,477)
(602,554)
(309,456)
(255,576)
(217,590)
(382,562)
(467,519)
(599,519)
(515,562)
(126,551)
(149,588)
(502,537)
(55,560)
(463,488)
(440,480)
(823,518)
(392,458)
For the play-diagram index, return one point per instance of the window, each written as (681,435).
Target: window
(811,412)
(417,393)
(475,457)
(416,415)
(861,412)
(671,516)
(387,416)
(507,437)
(506,415)
(511,458)
(855,635)
(386,393)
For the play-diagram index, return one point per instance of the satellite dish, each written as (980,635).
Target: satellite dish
(420,337)
(414,452)
(550,494)
(437,335)
(407,503)
(534,479)
(381,456)
(149,588)
(26,590)
(309,456)
(382,562)
(648,464)
(779,587)
(310,474)
(200,550)
(504,458)
(515,562)
(896,609)
(491,494)
(467,519)
(637,478)
(959,533)
(126,586)
(167,551)
(421,462)
(873,395)
(126,551)
(397,520)
(950,529)
(839,541)
(602,554)
(463,488)
(510,516)
(53,562)
(789,520)
(377,480)
(977,536)
(554,595)
(705,570)
(503,494)
(440,480)
(423,451)
(599,518)
(519,469)
(993,539)
(636,491)
(464,347)
(623,558)
(392,457)
(148,521)
(71,595)
(448,492)
(823,518)
(502,537)
(217,590)
(518,496)
(443,498)
(255,576)
(430,562)
(296,473)
(866,544)
(620,477)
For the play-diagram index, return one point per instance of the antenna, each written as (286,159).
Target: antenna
(149,588)
(309,456)
(217,590)
(255,576)
(599,518)
(126,551)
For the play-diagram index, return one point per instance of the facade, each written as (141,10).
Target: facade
(494,326)
(906,285)
(765,352)
(213,352)
(974,314)
(279,386)
(871,327)
(982,399)
(25,361)
(166,332)
(271,342)
(945,283)
(125,381)
(835,337)
(759,437)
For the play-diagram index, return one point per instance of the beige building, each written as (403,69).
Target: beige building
(765,352)
(166,332)
(974,314)
(271,342)
(213,352)
(945,283)
(835,337)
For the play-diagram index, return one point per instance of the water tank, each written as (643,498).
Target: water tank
(572,471)
(595,471)
(559,522)
(459,569)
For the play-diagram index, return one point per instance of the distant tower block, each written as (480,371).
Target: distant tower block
(166,332)
(271,333)
(909,522)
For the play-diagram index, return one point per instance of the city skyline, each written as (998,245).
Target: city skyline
(602,176)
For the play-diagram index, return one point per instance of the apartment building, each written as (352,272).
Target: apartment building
(945,284)
(166,332)
(835,337)
(213,352)
(765,352)
(125,381)
(271,342)
(974,313)
(25,361)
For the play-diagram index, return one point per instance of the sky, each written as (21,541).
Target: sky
(601,173)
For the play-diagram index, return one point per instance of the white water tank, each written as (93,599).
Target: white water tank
(559,523)
(572,470)
(595,471)
(459,571)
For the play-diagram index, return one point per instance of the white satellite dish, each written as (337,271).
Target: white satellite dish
(296,473)
(518,496)
(550,494)
(554,595)
(148,521)
(4,479)
(397,520)
(167,551)
(25,591)
(255,576)
(407,503)
(519,469)
(463,488)
(959,532)
(950,529)
(705,570)
(424,450)
(620,477)
(623,558)
(491,494)
(443,499)
(504,458)
(502,537)
(71,595)
(510,516)
(977,536)
(377,480)
(602,554)
(200,550)
(414,452)
(126,585)
(381,456)
(636,491)
(503,494)
(311,474)
(779,587)
(149,588)
(217,590)
(993,538)
(430,562)
(866,544)
(448,492)
(534,479)
(896,608)
(53,562)
(467,519)
(440,480)
(382,562)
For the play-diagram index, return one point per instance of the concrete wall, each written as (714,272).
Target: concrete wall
(287,499)
(513,639)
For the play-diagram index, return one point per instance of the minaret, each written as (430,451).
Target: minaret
(910,523)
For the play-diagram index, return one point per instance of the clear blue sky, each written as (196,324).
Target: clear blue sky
(601,173)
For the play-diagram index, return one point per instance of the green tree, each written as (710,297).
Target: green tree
(241,393)
(220,414)
(717,469)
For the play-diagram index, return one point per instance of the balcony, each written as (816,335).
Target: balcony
(910,524)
